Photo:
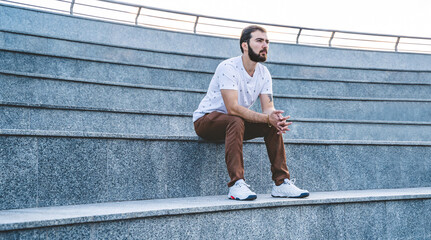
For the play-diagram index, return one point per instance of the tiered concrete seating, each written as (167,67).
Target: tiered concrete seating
(97,140)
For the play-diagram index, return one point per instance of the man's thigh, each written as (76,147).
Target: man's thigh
(213,126)
(254,130)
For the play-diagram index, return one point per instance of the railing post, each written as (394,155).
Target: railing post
(299,34)
(136,19)
(330,40)
(71,7)
(396,45)
(196,23)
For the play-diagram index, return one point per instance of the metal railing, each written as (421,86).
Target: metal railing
(140,15)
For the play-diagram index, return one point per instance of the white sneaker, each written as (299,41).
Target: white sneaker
(241,191)
(288,189)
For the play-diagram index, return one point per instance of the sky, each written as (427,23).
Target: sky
(399,17)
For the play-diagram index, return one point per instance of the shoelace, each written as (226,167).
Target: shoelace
(243,183)
(291,181)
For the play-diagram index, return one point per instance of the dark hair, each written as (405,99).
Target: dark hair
(246,34)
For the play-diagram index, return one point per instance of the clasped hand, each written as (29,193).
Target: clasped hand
(277,120)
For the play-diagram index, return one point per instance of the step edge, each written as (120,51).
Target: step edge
(193,205)
(201,91)
(190,114)
(99,135)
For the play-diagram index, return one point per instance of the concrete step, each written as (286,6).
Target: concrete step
(281,70)
(97,94)
(53,66)
(411,110)
(48,46)
(367,214)
(50,168)
(51,25)
(106,120)
(351,88)
(60,67)
(301,87)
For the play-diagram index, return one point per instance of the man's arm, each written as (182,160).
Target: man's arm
(230,98)
(267,104)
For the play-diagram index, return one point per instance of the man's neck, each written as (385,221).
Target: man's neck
(249,65)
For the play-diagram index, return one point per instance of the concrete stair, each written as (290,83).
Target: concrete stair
(97,141)
(367,214)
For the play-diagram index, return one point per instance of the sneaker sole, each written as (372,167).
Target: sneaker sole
(250,197)
(302,195)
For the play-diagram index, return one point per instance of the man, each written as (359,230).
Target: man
(224,114)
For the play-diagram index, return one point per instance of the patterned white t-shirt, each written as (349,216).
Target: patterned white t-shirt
(230,74)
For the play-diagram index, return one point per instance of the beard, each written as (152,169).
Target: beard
(256,57)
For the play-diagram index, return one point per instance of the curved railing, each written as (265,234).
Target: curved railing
(137,14)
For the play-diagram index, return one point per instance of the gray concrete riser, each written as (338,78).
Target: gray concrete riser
(85,95)
(166,125)
(31,44)
(58,66)
(373,220)
(283,87)
(49,171)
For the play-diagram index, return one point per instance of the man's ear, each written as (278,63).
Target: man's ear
(244,46)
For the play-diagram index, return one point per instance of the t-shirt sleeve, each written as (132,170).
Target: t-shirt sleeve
(267,85)
(227,77)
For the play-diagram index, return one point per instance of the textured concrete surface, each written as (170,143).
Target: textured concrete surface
(77,94)
(105,120)
(34,22)
(58,90)
(191,62)
(90,119)
(351,214)
(101,71)
(347,88)
(78,170)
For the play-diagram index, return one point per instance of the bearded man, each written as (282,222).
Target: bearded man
(224,114)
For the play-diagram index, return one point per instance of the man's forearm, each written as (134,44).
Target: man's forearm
(250,115)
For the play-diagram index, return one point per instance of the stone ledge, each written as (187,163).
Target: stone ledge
(98,135)
(76,214)
(97,82)
(50,77)
(198,55)
(190,114)
(200,91)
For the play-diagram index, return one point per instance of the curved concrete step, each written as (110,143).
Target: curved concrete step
(105,120)
(90,51)
(167,99)
(281,86)
(49,168)
(387,213)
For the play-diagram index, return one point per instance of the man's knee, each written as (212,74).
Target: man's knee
(236,124)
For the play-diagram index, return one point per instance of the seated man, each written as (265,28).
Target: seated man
(224,114)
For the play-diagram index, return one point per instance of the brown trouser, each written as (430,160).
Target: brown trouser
(233,129)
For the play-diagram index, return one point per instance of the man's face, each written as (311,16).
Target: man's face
(258,46)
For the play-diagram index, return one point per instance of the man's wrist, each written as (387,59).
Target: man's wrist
(268,122)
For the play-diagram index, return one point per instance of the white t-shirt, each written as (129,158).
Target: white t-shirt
(230,74)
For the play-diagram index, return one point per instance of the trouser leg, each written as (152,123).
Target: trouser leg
(219,126)
(274,147)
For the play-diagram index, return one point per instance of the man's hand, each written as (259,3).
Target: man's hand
(277,120)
